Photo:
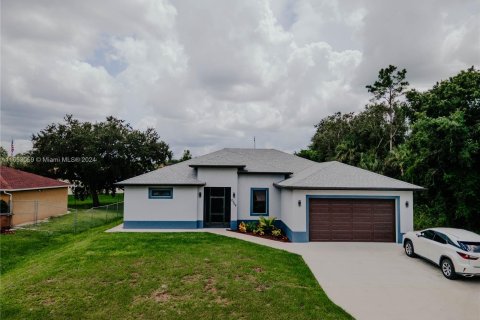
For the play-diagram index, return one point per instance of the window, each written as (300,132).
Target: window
(160,193)
(470,246)
(440,238)
(259,201)
(429,234)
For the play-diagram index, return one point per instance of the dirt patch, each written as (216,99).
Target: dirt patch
(161,296)
(192,278)
(210,285)
(48,302)
(222,301)
(258,269)
(261,288)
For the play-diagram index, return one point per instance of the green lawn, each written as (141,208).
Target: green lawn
(98,275)
(104,199)
(49,235)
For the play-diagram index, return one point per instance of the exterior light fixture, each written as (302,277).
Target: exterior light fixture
(200,194)
(234,195)
(406,204)
(299,203)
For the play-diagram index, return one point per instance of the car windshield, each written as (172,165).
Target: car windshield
(471,246)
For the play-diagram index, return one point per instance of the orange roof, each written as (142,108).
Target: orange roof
(13,179)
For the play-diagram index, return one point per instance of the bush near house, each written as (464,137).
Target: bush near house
(264,227)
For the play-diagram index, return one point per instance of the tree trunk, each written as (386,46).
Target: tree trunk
(391,138)
(96,202)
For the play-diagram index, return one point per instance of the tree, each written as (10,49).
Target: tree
(387,91)
(93,156)
(357,139)
(331,132)
(186,155)
(442,152)
(3,152)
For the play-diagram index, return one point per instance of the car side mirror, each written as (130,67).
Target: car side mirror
(419,235)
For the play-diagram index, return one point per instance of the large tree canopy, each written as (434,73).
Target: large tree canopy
(442,152)
(93,156)
(432,139)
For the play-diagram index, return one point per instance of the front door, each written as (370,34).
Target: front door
(216,208)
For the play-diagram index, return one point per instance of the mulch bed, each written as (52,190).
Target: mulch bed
(267,236)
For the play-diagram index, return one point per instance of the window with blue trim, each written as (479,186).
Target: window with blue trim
(258,201)
(160,193)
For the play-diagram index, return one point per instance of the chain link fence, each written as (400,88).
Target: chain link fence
(56,218)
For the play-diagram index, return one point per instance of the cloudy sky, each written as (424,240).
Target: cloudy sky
(213,74)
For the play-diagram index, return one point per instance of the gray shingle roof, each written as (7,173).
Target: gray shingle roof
(177,174)
(254,160)
(306,174)
(337,175)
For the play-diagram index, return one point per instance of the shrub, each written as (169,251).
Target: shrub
(242,227)
(276,232)
(259,231)
(250,226)
(267,224)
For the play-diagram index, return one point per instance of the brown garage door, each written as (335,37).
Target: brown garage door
(352,220)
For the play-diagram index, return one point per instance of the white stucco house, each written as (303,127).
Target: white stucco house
(311,201)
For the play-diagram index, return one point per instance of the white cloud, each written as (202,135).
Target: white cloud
(213,74)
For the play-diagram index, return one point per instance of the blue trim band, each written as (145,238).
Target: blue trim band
(399,235)
(267,202)
(162,224)
(233,224)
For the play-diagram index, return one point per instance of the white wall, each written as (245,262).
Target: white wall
(296,217)
(138,207)
(218,177)
(287,215)
(248,181)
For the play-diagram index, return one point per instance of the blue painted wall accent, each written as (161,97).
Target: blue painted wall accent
(233,224)
(162,224)
(397,211)
(267,205)
(294,236)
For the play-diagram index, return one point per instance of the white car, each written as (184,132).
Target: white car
(456,251)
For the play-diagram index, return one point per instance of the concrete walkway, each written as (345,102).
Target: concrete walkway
(375,280)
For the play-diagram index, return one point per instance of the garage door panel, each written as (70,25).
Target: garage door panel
(352,220)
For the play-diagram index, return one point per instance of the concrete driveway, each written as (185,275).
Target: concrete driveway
(378,281)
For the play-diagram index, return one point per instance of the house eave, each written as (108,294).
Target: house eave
(217,166)
(264,172)
(120,184)
(347,188)
(36,188)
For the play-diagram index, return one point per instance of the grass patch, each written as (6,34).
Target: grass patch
(97,275)
(87,203)
(24,243)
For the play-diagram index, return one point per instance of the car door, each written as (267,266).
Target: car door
(424,242)
(437,248)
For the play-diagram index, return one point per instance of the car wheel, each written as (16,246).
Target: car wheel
(409,251)
(448,269)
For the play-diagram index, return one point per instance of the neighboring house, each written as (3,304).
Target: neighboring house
(311,201)
(31,197)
